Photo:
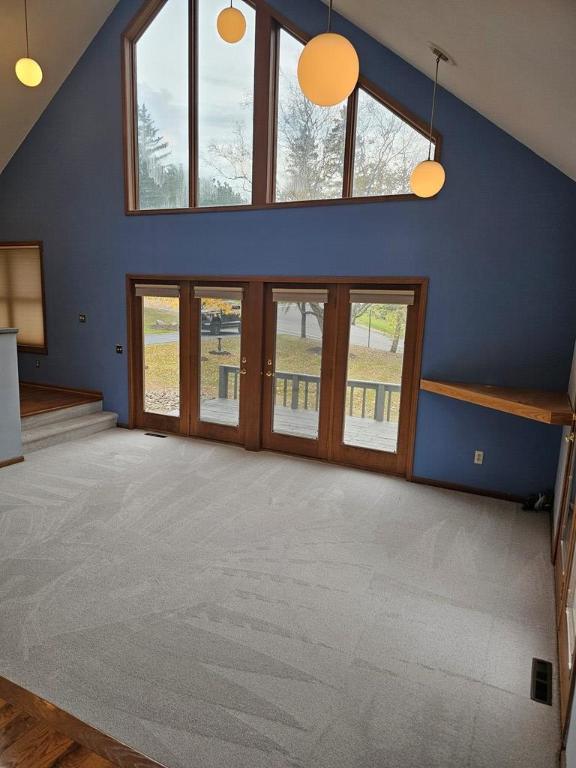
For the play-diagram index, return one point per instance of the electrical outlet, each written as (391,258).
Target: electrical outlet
(82,318)
(478,457)
(37,363)
(119,349)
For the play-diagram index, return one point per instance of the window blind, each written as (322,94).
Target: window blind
(301,295)
(143,289)
(21,296)
(229,293)
(374,296)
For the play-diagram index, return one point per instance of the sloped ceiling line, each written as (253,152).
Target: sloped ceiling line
(516,60)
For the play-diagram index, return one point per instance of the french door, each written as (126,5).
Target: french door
(190,358)
(321,369)
(299,336)
(342,390)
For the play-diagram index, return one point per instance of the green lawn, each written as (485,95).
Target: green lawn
(153,314)
(294,354)
(384,325)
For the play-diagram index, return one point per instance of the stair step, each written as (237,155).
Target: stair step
(61,414)
(61,431)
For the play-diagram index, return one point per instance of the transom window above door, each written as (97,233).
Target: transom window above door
(216,126)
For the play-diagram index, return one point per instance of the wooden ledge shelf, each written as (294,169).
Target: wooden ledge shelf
(536,404)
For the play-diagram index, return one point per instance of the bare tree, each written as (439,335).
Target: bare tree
(233,161)
(387,150)
(305,308)
(310,149)
(399,327)
(356,310)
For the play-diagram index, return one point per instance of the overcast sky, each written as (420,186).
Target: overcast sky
(225,76)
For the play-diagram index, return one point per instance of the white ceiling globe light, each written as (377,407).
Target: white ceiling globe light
(328,67)
(28,71)
(428,178)
(231,25)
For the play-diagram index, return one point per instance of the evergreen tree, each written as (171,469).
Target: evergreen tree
(313,141)
(160,184)
(215,192)
(174,187)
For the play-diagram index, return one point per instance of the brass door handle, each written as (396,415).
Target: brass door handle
(243,371)
(269,373)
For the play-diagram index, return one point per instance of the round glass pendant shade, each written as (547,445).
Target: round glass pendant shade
(427,178)
(328,69)
(231,25)
(29,72)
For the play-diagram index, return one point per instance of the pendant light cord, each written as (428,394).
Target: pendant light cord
(26,26)
(433,106)
(329,15)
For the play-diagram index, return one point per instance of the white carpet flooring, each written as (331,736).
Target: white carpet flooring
(215,608)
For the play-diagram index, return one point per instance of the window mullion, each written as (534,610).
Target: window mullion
(192,103)
(349,143)
(264,101)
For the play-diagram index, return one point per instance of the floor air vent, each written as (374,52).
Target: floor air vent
(153,434)
(541,688)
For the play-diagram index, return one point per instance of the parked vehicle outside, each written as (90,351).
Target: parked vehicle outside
(216,321)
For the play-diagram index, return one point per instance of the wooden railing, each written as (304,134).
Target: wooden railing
(302,391)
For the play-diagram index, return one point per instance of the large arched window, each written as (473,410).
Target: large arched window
(213,125)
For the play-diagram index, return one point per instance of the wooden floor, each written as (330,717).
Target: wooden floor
(35,398)
(26,742)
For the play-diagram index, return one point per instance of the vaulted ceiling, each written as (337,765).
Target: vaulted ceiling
(60,31)
(515,60)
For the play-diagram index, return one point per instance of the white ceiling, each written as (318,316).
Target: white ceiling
(59,31)
(516,59)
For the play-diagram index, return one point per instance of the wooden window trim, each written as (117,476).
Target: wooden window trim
(253,325)
(40,349)
(269,22)
(566,677)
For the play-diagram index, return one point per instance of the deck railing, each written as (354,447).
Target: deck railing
(302,391)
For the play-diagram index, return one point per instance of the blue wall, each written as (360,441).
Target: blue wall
(498,246)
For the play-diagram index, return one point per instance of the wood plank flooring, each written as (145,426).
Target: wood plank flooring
(25,742)
(41,399)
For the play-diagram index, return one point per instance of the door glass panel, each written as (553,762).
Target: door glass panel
(297,368)
(374,375)
(566,534)
(571,606)
(565,540)
(220,364)
(161,326)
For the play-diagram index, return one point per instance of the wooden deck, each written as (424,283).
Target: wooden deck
(362,433)
(36,398)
